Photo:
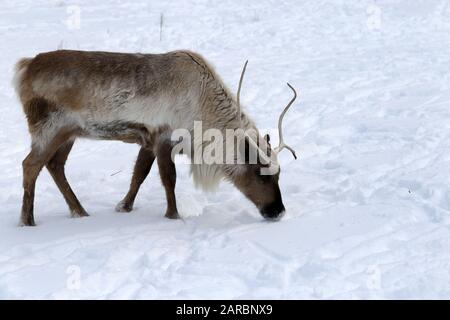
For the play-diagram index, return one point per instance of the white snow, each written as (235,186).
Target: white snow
(368,202)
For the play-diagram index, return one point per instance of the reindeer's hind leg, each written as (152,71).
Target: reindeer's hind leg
(142,167)
(168,175)
(32,166)
(56,168)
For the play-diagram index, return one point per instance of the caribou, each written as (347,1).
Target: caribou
(142,99)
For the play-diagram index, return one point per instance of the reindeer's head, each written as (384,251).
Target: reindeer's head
(258,180)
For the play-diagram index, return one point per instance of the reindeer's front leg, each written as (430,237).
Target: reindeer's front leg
(141,170)
(168,175)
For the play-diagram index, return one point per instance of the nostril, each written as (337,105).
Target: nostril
(273,216)
(273,211)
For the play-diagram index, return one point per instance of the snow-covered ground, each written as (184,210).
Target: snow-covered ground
(368,202)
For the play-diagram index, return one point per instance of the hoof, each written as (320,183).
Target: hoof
(27,223)
(172,215)
(26,219)
(123,206)
(76,214)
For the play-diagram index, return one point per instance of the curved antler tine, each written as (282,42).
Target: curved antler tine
(291,150)
(282,145)
(295,92)
(239,90)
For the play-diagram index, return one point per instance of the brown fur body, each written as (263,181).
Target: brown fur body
(134,98)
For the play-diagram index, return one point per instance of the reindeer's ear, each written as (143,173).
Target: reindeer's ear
(267,139)
(249,153)
(246,150)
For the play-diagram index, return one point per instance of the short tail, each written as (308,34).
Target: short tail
(20,69)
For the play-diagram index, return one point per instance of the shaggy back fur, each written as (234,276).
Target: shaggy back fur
(92,90)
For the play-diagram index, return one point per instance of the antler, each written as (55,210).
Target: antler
(239,91)
(282,145)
